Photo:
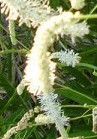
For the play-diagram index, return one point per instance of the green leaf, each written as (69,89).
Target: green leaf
(79,97)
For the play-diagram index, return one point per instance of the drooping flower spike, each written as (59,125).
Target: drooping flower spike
(37,72)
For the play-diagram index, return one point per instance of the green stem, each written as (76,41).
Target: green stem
(13,51)
(87,16)
(87,65)
(16,39)
(90,137)
(93,9)
(80,65)
(63,132)
(12,32)
(78,106)
(79,117)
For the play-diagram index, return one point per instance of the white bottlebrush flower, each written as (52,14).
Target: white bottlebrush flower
(52,109)
(68,57)
(77,4)
(31,12)
(37,75)
(52,67)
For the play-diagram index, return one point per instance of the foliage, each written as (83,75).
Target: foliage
(76,86)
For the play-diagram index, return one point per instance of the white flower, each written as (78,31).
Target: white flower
(68,57)
(31,12)
(21,87)
(52,109)
(43,119)
(39,76)
(77,30)
(77,4)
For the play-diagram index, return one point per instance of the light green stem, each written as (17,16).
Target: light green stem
(12,32)
(79,117)
(62,131)
(87,16)
(22,51)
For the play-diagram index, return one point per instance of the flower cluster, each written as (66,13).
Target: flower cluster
(37,72)
(43,119)
(77,30)
(21,125)
(77,4)
(52,109)
(68,57)
(31,12)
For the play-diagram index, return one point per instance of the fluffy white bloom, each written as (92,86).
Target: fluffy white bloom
(77,30)
(31,12)
(64,24)
(52,109)
(38,74)
(52,67)
(77,4)
(68,57)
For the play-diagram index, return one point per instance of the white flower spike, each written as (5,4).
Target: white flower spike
(52,109)
(38,75)
(68,57)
